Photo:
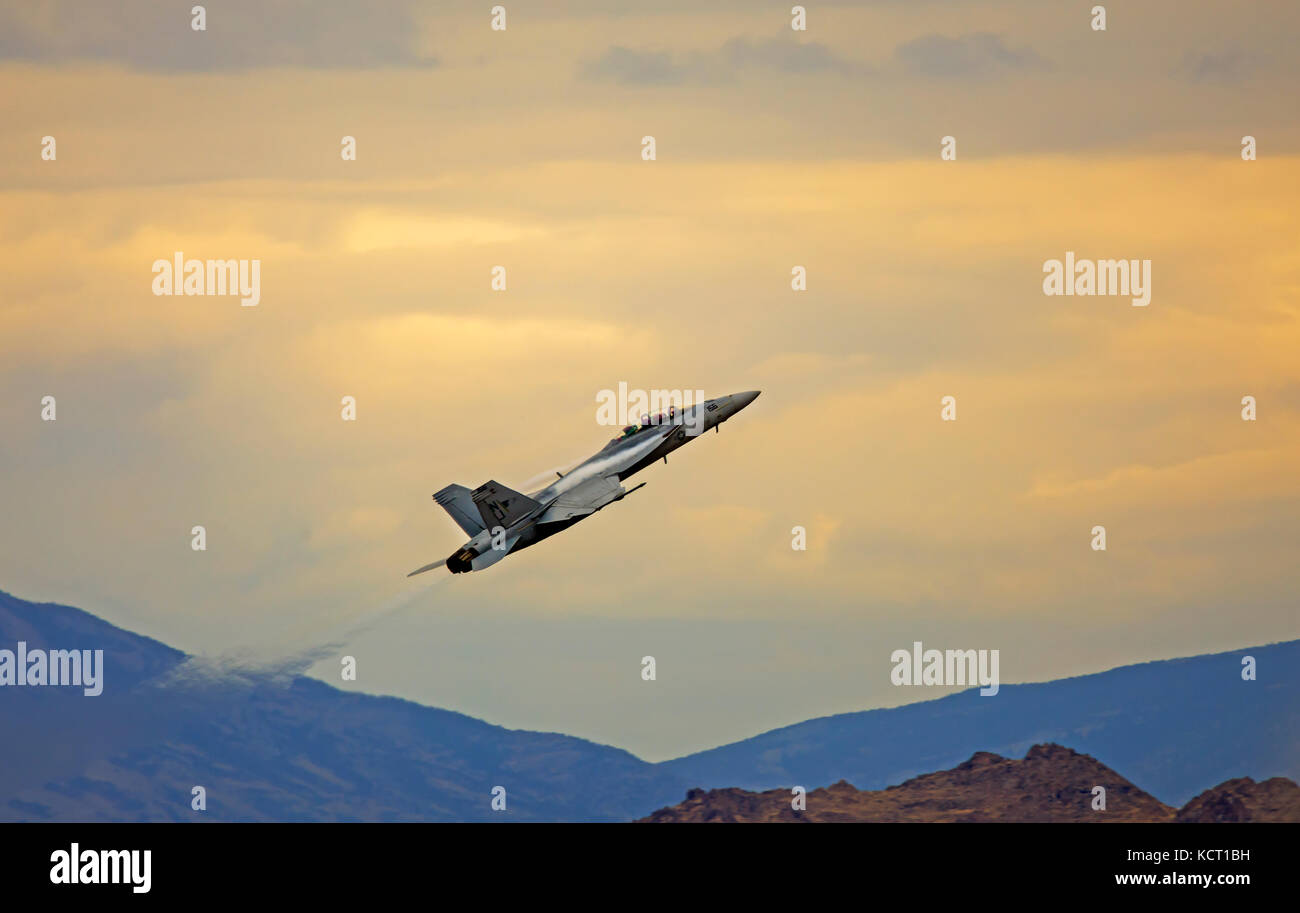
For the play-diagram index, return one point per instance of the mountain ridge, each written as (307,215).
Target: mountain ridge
(1173,725)
(1052,784)
(289,747)
(266,748)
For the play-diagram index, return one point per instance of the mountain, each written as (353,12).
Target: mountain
(1243,799)
(271,747)
(1051,784)
(1173,726)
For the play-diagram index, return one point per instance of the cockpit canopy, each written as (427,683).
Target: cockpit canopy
(647,422)
(672,416)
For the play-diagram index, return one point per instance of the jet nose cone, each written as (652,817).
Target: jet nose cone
(744,399)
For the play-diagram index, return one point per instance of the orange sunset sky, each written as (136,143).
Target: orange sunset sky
(775,148)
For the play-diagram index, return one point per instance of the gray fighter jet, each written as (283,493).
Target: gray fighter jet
(500,520)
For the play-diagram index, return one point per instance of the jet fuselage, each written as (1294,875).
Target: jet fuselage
(501,520)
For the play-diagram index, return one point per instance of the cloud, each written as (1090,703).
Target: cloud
(977,55)
(628,66)
(243,670)
(631,67)
(250,667)
(240,34)
(1228,67)
(785,56)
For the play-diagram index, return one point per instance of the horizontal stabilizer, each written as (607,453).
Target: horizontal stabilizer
(458,501)
(502,506)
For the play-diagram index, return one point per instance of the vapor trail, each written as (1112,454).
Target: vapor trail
(244,667)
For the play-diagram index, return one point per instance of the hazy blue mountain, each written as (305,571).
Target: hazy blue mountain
(1174,728)
(289,748)
(285,749)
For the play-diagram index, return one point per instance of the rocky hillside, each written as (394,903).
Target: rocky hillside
(1050,784)
(1277,799)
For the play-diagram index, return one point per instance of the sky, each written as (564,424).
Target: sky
(775,148)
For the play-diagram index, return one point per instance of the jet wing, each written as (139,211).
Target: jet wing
(587,498)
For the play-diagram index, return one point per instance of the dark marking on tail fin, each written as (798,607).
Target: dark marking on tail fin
(502,506)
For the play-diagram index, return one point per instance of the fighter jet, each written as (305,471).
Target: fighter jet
(501,521)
